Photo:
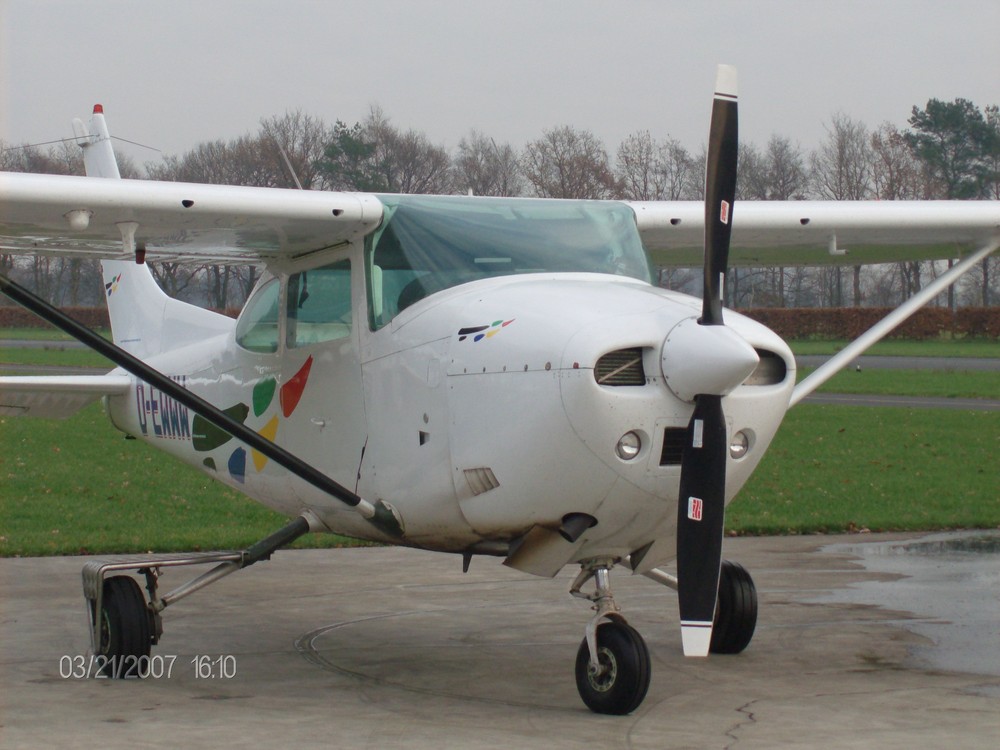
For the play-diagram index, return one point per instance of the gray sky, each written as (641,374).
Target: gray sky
(172,74)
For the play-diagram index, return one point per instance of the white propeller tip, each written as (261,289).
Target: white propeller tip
(725,82)
(696,638)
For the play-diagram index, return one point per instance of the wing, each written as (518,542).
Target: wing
(56,396)
(810,233)
(87,216)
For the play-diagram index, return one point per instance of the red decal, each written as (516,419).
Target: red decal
(724,212)
(695,508)
(291,391)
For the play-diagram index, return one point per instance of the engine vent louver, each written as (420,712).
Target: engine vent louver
(673,446)
(622,367)
(770,370)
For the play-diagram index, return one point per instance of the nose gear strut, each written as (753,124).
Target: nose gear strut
(612,664)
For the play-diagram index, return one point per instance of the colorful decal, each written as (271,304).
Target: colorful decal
(112,286)
(291,391)
(263,393)
(238,465)
(695,508)
(269,431)
(208,437)
(479,333)
(159,414)
(724,212)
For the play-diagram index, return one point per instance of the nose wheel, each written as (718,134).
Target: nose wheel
(618,682)
(612,664)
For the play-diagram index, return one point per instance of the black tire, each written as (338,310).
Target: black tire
(622,686)
(126,633)
(736,611)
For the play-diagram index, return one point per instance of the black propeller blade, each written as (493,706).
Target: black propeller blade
(720,192)
(701,502)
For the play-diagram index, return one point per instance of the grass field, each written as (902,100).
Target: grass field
(76,486)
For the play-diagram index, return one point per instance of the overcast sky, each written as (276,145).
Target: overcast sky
(172,74)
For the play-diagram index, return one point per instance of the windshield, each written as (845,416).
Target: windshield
(427,244)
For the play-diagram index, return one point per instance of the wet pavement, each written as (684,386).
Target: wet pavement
(387,648)
(950,586)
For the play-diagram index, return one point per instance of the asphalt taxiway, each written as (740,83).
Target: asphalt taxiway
(388,648)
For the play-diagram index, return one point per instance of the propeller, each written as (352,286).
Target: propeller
(701,502)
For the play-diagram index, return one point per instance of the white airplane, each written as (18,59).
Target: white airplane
(479,376)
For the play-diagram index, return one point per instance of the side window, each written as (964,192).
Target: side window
(319,305)
(257,329)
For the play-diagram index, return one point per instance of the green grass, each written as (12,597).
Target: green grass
(936,383)
(969,347)
(53,357)
(838,468)
(76,486)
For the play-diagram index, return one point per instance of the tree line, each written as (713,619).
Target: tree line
(950,150)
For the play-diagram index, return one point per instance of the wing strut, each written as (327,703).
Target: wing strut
(378,514)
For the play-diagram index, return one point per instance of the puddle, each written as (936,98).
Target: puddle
(941,545)
(950,583)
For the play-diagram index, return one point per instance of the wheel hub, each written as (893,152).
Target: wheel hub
(602,678)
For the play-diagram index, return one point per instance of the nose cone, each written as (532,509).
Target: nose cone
(713,360)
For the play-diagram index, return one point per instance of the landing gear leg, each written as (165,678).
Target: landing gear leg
(612,664)
(124,627)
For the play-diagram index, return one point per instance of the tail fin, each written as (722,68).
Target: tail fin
(98,155)
(144,320)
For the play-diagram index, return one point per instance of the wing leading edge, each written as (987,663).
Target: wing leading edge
(809,233)
(87,216)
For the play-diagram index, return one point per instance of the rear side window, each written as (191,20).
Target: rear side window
(319,305)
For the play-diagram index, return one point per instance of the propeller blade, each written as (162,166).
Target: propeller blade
(701,515)
(701,505)
(720,192)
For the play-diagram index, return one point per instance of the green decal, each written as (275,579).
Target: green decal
(263,392)
(210,463)
(207,437)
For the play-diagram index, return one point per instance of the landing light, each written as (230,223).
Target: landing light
(628,446)
(739,445)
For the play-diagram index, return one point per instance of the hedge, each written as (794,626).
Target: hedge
(789,323)
(850,322)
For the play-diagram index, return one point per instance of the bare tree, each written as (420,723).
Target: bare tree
(787,179)
(648,170)
(896,175)
(752,174)
(484,168)
(568,163)
(841,166)
(299,137)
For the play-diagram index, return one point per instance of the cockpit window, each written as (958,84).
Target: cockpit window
(257,329)
(428,244)
(319,305)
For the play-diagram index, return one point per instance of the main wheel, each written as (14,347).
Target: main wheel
(126,632)
(622,682)
(736,611)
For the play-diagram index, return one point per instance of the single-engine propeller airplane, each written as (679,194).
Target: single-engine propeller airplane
(480,376)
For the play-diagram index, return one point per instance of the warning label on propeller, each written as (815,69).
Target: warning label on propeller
(695,508)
